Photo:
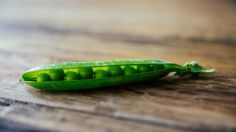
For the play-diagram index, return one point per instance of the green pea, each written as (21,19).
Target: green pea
(86,72)
(157,67)
(43,77)
(115,70)
(144,68)
(56,74)
(101,74)
(128,70)
(72,76)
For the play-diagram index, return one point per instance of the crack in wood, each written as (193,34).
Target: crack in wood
(5,102)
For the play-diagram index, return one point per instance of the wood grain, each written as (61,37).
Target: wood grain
(34,32)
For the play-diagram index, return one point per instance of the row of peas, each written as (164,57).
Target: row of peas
(88,73)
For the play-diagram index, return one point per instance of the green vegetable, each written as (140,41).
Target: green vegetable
(128,70)
(115,70)
(107,73)
(86,72)
(144,68)
(101,74)
(157,67)
(71,76)
(43,77)
(56,74)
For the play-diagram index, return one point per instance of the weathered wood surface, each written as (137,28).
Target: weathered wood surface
(37,32)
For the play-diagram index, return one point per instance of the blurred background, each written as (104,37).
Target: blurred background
(38,32)
(73,30)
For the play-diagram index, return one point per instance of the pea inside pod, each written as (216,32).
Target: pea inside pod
(43,77)
(115,70)
(72,76)
(144,68)
(128,70)
(56,74)
(88,75)
(86,72)
(101,74)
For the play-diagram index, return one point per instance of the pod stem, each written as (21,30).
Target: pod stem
(193,68)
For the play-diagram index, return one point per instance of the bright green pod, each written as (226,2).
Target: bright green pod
(115,70)
(72,76)
(157,67)
(56,74)
(101,74)
(37,76)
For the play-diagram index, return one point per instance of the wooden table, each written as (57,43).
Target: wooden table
(37,32)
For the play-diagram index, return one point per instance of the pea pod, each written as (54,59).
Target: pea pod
(102,74)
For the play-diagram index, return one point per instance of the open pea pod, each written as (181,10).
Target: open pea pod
(88,75)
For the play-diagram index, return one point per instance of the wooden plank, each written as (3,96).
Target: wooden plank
(21,116)
(200,103)
(33,33)
(182,104)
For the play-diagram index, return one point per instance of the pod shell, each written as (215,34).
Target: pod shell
(97,83)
